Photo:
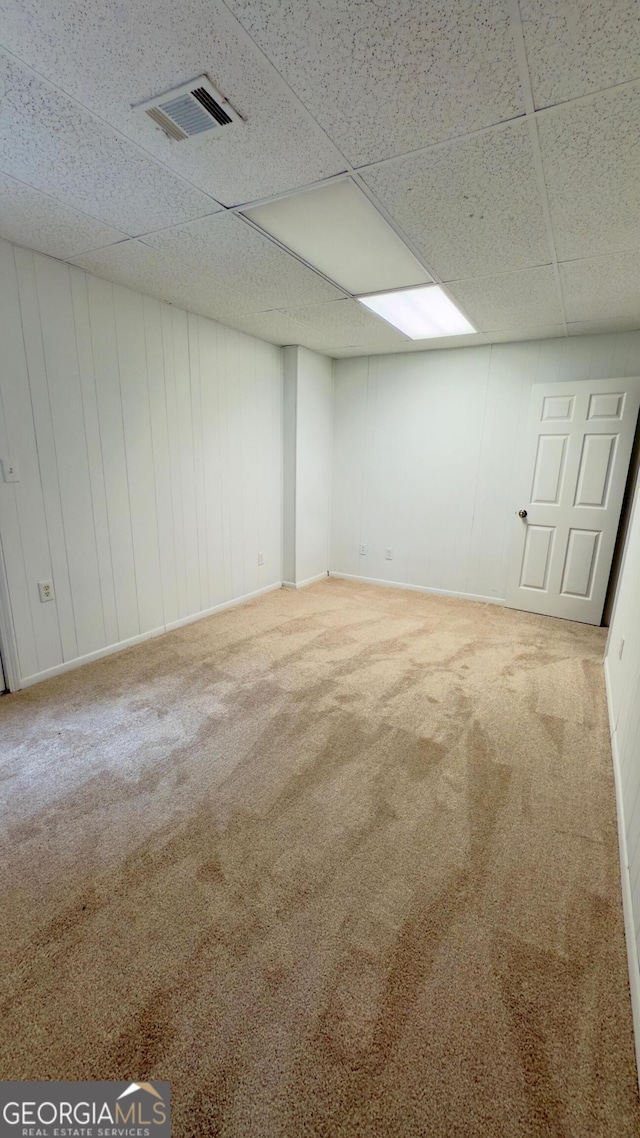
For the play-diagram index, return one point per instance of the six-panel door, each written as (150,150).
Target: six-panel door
(577,452)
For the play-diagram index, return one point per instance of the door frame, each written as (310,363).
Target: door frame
(8,642)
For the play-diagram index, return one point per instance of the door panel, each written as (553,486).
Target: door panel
(576,459)
(549,468)
(580,562)
(537,557)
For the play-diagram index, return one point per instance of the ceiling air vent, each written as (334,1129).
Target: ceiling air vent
(190,111)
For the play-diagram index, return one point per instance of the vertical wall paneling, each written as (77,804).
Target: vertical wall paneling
(149,444)
(622,670)
(425,445)
(45,441)
(307,418)
(23,525)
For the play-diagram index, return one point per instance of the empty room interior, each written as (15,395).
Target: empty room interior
(320,567)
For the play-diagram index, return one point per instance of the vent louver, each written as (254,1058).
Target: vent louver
(190,111)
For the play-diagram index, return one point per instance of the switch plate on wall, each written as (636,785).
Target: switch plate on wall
(45,588)
(10,471)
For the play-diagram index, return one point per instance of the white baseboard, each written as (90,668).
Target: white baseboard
(307,581)
(627,901)
(110,649)
(418,588)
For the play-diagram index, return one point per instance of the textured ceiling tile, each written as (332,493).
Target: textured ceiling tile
(515,335)
(598,327)
(28,217)
(591,160)
(139,267)
(110,55)
(471,206)
(384,78)
(347,322)
(528,297)
(52,144)
(239,257)
(473,338)
(277,328)
(575,47)
(602,288)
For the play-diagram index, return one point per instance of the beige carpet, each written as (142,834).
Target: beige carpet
(336,862)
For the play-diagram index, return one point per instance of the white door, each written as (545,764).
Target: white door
(575,461)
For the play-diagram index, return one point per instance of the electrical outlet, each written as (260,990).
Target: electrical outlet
(388,553)
(261,559)
(363,550)
(10,471)
(621,649)
(45,588)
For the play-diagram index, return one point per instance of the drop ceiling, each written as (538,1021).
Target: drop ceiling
(499,139)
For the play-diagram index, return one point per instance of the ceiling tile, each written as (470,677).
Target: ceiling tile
(347,322)
(147,270)
(512,300)
(49,142)
(278,328)
(591,160)
(110,55)
(602,288)
(599,327)
(474,338)
(239,257)
(28,217)
(516,335)
(575,47)
(384,78)
(470,206)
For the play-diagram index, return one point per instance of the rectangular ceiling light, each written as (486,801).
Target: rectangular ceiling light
(337,230)
(421,313)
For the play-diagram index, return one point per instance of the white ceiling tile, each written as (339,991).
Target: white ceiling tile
(384,78)
(414,346)
(347,322)
(147,270)
(28,217)
(239,257)
(591,160)
(528,297)
(522,334)
(575,47)
(278,328)
(470,206)
(49,142)
(602,288)
(110,56)
(598,327)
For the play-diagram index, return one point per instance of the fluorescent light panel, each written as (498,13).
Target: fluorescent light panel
(338,231)
(421,313)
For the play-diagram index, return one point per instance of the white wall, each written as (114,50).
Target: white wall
(623,687)
(424,449)
(308,388)
(149,443)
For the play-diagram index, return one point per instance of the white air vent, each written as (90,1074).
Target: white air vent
(190,111)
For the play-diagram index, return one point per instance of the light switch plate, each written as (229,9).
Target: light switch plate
(10,471)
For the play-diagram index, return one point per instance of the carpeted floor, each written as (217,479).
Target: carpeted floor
(340,862)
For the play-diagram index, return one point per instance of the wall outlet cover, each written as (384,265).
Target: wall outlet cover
(10,471)
(363,550)
(261,559)
(45,588)
(388,553)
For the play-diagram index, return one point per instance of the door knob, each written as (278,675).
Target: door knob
(522,513)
